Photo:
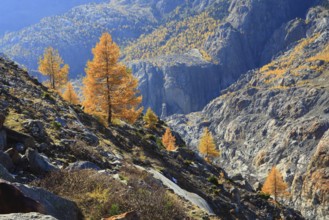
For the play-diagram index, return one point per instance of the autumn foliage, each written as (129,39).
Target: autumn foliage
(150,118)
(207,145)
(70,95)
(52,65)
(275,185)
(169,141)
(110,89)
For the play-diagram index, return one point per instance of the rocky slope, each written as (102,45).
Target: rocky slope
(277,115)
(43,134)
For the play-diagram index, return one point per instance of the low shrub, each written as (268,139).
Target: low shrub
(265,196)
(213,180)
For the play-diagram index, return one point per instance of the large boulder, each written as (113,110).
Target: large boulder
(6,161)
(35,128)
(17,197)
(26,216)
(39,163)
(4,174)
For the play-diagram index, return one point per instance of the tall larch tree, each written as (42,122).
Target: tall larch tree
(52,65)
(150,118)
(275,185)
(70,95)
(110,89)
(207,145)
(169,141)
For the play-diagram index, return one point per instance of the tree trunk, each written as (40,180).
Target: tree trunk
(109,102)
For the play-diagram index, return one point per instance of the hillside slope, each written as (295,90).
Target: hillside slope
(131,170)
(277,115)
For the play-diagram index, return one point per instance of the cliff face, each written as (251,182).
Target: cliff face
(277,115)
(177,83)
(248,36)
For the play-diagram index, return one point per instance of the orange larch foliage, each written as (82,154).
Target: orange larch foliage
(275,185)
(52,65)
(169,141)
(207,145)
(110,89)
(70,95)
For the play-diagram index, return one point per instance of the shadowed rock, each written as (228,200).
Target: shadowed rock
(14,201)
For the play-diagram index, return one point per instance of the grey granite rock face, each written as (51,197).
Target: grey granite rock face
(242,42)
(184,83)
(26,216)
(258,123)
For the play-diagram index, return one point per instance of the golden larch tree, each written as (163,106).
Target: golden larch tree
(150,118)
(275,185)
(70,95)
(110,89)
(207,145)
(169,141)
(52,65)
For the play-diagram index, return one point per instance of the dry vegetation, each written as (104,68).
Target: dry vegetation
(295,62)
(100,195)
(175,37)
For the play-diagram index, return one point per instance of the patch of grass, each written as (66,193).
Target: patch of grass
(213,180)
(114,210)
(117,122)
(46,95)
(14,121)
(56,125)
(264,196)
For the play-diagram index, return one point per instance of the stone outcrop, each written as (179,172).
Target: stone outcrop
(178,82)
(19,198)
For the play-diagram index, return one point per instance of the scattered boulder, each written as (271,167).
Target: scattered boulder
(35,127)
(38,162)
(26,216)
(90,138)
(82,165)
(38,200)
(6,161)
(21,141)
(5,175)
(12,200)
